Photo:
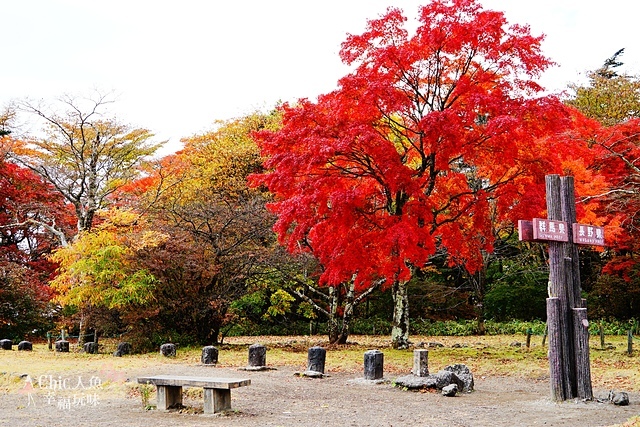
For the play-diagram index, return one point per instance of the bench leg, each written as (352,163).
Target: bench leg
(216,400)
(169,397)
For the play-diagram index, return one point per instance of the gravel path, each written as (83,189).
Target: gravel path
(279,398)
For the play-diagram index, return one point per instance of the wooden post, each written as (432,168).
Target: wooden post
(566,311)
(570,323)
(583,364)
(568,203)
(580,324)
(559,322)
(556,369)
(630,342)
(529,338)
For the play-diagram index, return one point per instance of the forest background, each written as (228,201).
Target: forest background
(403,185)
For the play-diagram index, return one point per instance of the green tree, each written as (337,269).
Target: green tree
(609,97)
(517,282)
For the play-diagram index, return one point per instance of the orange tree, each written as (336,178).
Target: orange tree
(407,154)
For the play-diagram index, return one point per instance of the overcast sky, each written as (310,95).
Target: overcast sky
(177,66)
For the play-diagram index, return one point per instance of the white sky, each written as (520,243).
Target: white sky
(177,66)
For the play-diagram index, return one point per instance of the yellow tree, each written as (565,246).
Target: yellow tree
(84,154)
(99,269)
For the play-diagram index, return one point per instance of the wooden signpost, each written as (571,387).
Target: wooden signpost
(570,370)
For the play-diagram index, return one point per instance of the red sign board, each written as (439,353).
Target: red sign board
(541,230)
(584,234)
(525,230)
(549,229)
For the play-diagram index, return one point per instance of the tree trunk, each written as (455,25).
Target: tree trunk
(400,325)
(480,327)
(581,346)
(572,342)
(479,292)
(215,335)
(347,316)
(83,328)
(478,281)
(332,322)
(558,273)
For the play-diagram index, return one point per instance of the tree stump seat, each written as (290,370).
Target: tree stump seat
(217,391)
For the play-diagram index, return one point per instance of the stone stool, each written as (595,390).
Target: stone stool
(209,355)
(123,349)
(62,346)
(168,350)
(25,346)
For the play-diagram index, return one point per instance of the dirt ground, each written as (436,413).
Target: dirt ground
(280,398)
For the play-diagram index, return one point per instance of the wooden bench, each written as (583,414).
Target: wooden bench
(217,391)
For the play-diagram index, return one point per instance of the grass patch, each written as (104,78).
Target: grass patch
(495,355)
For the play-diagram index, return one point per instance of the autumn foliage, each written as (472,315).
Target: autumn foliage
(408,154)
(410,176)
(610,128)
(26,202)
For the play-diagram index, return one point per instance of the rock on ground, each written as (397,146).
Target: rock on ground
(458,374)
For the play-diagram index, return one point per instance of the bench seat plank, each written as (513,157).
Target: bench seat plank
(186,381)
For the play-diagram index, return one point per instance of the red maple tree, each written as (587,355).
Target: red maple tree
(27,207)
(406,156)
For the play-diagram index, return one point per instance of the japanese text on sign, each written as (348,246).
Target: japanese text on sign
(584,234)
(547,229)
